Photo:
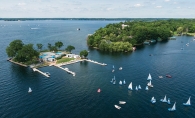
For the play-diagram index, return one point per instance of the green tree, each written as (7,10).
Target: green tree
(179,30)
(39,46)
(59,44)
(70,48)
(53,48)
(27,53)
(84,53)
(14,47)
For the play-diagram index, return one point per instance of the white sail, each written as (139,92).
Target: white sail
(153,100)
(124,82)
(149,77)
(120,83)
(136,88)
(164,100)
(139,87)
(188,102)
(146,88)
(173,108)
(150,84)
(130,86)
(29,90)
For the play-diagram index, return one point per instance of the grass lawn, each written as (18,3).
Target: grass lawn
(64,60)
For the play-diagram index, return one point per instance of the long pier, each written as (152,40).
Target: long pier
(34,69)
(67,70)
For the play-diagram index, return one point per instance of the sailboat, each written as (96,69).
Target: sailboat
(112,80)
(130,86)
(173,108)
(122,102)
(149,77)
(120,68)
(136,88)
(99,90)
(113,68)
(164,100)
(29,90)
(118,107)
(168,101)
(139,87)
(146,88)
(124,82)
(150,84)
(188,103)
(153,100)
(120,82)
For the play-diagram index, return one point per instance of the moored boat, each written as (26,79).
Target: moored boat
(116,106)
(122,102)
(173,108)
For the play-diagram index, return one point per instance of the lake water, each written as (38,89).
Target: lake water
(65,96)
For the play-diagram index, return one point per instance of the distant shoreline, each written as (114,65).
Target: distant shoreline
(99,19)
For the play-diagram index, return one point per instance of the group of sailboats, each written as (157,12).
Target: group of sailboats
(120,102)
(150,82)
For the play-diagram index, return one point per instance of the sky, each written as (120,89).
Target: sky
(97,8)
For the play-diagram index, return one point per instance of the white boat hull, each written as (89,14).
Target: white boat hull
(122,102)
(118,107)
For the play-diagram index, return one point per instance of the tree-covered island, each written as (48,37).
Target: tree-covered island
(119,37)
(25,54)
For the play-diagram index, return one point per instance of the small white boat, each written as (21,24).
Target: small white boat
(139,87)
(164,100)
(124,82)
(120,68)
(122,102)
(136,88)
(188,103)
(99,90)
(116,106)
(146,88)
(160,76)
(120,82)
(168,101)
(149,77)
(130,86)
(113,70)
(173,108)
(153,100)
(29,90)
(150,84)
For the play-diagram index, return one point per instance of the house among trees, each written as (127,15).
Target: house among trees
(123,26)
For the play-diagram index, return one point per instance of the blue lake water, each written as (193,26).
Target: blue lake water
(63,95)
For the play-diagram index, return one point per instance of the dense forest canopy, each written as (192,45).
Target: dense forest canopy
(122,36)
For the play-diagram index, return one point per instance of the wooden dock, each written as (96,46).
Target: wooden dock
(67,70)
(34,69)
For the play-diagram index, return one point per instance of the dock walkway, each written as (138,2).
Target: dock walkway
(67,70)
(34,69)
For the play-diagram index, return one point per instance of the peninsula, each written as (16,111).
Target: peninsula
(121,37)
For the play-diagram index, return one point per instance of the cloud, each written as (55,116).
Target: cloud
(138,5)
(158,6)
(178,7)
(167,0)
(21,4)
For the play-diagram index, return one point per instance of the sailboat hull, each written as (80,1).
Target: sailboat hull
(170,109)
(186,104)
